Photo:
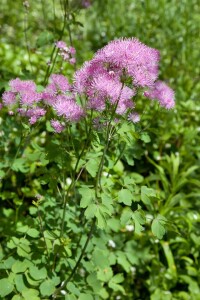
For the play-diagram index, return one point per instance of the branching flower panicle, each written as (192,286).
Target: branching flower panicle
(113,77)
(67,53)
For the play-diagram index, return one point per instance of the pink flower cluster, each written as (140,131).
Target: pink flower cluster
(117,72)
(25,95)
(31,104)
(67,53)
(163,93)
(109,81)
(58,94)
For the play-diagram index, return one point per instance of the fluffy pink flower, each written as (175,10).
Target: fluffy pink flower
(58,84)
(104,88)
(96,103)
(22,111)
(34,114)
(67,107)
(163,93)
(22,86)
(124,105)
(83,77)
(134,117)
(61,45)
(67,53)
(107,77)
(72,60)
(57,126)
(25,91)
(138,60)
(30,97)
(9,98)
(72,51)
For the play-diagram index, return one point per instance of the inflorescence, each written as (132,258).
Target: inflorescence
(110,81)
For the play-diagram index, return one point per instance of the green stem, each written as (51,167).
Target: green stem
(53,58)
(26,37)
(74,180)
(42,230)
(16,154)
(78,261)
(108,138)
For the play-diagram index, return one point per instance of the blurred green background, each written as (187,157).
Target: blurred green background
(171,160)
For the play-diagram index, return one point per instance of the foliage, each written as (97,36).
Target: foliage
(136,236)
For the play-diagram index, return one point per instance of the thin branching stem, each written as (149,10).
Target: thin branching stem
(54,52)
(26,37)
(108,139)
(74,180)
(42,230)
(78,261)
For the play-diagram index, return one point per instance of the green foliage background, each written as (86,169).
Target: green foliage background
(160,168)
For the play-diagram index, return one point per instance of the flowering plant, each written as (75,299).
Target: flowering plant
(108,82)
(98,106)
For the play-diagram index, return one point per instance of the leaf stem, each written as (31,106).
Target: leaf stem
(78,261)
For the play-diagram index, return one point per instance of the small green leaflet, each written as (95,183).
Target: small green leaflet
(157,226)
(125,196)
(6,287)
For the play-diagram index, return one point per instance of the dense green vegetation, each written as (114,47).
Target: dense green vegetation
(144,246)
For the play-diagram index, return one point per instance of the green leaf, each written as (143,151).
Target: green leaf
(34,233)
(101,220)
(19,165)
(47,287)
(114,283)
(17,297)
(8,263)
(170,258)
(6,287)
(146,193)
(118,278)
(104,274)
(33,156)
(126,215)
(23,229)
(73,289)
(56,280)
(85,297)
(19,266)
(129,158)
(90,211)
(23,249)
(145,137)
(87,195)
(70,297)
(157,228)
(114,224)
(92,166)
(107,202)
(20,282)
(122,260)
(99,259)
(139,220)
(30,294)
(37,274)
(125,196)
(13,243)
(31,281)
(93,281)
